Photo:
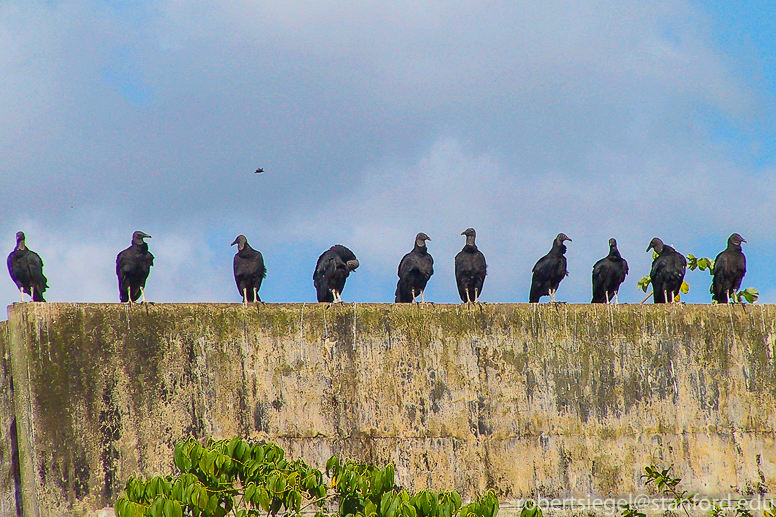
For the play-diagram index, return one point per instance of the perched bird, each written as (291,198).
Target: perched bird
(470,269)
(667,272)
(331,270)
(415,268)
(26,269)
(729,271)
(608,274)
(258,171)
(249,270)
(132,267)
(549,271)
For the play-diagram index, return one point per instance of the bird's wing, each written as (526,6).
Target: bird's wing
(543,266)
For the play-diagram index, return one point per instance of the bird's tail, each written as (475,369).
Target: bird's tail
(37,296)
(403,294)
(534,296)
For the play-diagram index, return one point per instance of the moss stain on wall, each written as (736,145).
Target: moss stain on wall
(566,399)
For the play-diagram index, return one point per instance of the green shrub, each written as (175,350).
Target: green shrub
(244,479)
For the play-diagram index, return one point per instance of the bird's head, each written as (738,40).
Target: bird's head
(241,241)
(352,264)
(656,244)
(562,237)
(19,240)
(137,237)
(612,243)
(469,232)
(421,238)
(736,239)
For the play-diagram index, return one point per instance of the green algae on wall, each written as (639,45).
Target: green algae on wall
(560,400)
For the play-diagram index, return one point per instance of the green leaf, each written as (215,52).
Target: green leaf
(388,477)
(157,507)
(181,458)
(250,491)
(332,465)
(456,498)
(377,484)
(262,498)
(750,294)
(685,288)
(643,283)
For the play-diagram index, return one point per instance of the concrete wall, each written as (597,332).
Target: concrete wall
(558,400)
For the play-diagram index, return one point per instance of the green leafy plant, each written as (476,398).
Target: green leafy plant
(644,282)
(669,486)
(750,294)
(250,479)
(631,510)
(531,509)
(703,263)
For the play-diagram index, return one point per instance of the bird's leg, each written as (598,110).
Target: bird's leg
(606,295)
(245,297)
(422,298)
(616,300)
(129,295)
(142,294)
(412,290)
(468,300)
(476,295)
(21,292)
(255,295)
(552,295)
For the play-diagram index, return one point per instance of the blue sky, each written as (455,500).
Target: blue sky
(373,122)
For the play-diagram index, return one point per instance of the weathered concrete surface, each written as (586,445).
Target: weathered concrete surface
(9,469)
(557,401)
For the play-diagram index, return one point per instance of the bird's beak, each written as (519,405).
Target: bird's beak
(648,248)
(463,233)
(743,240)
(146,236)
(235,242)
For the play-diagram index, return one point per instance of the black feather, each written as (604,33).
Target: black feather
(331,271)
(249,269)
(26,269)
(549,270)
(470,268)
(667,272)
(415,268)
(729,270)
(132,267)
(608,274)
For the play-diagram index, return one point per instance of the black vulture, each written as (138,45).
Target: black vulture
(331,270)
(608,274)
(470,269)
(132,267)
(249,270)
(667,273)
(549,271)
(26,269)
(415,268)
(729,271)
